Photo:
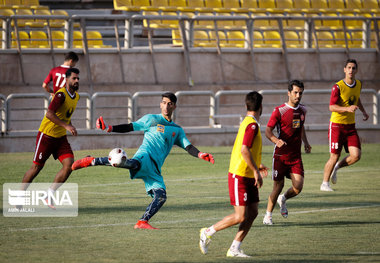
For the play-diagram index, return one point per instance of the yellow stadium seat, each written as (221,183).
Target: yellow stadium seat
(321,5)
(285,5)
(353,24)
(156,23)
(227,24)
(373,43)
(6,12)
(236,39)
(258,41)
(58,38)
(356,39)
(38,39)
(249,4)
(157,5)
(370,4)
(39,22)
(209,24)
(338,5)
(122,4)
(261,23)
(31,3)
(213,4)
(77,39)
(168,23)
(222,39)
(197,5)
(13,3)
(292,40)
(131,5)
(176,38)
(325,39)
(272,39)
(23,22)
(295,24)
(178,5)
(241,24)
(24,39)
(354,5)
(267,4)
(302,5)
(231,4)
(201,39)
(57,23)
(332,23)
(95,40)
(340,40)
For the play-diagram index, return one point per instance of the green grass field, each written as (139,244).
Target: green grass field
(340,226)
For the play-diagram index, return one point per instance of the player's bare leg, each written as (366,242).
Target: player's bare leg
(353,157)
(64,173)
(272,199)
(30,175)
(329,166)
(297,185)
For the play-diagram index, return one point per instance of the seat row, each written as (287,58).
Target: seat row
(14,4)
(39,39)
(34,22)
(272,39)
(247,6)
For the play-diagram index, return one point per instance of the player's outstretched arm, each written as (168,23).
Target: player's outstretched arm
(122,128)
(192,150)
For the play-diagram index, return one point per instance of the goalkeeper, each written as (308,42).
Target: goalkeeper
(160,134)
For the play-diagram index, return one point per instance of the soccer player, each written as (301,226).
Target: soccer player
(57,74)
(288,119)
(244,179)
(344,101)
(160,134)
(51,137)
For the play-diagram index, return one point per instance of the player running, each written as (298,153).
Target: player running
(344,101)
(160,134)
(244,179)
(289,119)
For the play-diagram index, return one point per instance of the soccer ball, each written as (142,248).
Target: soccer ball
(117,157)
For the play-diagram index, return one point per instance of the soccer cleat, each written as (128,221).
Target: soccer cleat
(236,254)
(82,163)
(334,174)
(267,220)
(204,241)
(281,202)
(51,205)
(141,224)
(326,188)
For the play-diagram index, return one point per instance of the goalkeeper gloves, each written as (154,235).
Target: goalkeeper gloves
(101,125)
(207,157)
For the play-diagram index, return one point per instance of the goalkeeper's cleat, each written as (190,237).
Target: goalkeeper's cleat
(236,254)
(282,203)
(51,205)
(204,241)
(326,188)
(267,220)
(141,224)
(82,163)
(334,174)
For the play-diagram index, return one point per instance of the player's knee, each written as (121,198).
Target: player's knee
(161,196)
(239,218)
(297,190)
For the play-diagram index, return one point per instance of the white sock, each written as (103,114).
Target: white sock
(210,231)
(51,191)
(235,245)
(268,214)
(326,183)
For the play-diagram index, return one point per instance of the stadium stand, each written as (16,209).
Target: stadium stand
(23,37)
(38,39)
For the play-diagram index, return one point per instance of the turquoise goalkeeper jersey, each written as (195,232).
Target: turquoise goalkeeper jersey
(159,137)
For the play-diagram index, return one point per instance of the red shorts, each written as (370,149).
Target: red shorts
(46,145)
(342,135)
(283,166)
(242,190)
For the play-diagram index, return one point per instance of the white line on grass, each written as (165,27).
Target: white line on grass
(175,222)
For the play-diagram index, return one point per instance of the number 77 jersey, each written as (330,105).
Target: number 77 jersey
(58,76)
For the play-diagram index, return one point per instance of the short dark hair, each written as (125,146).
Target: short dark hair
(171,96)
(351,60)
(71,56)
(253,101)
(295,82)
(71,70)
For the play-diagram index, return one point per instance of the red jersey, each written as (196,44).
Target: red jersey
(58,76)
(289,122)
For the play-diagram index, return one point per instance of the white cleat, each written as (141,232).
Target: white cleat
(267,220)
(326,188)
(281,202)
(236,254)
(334,176)
(204,241)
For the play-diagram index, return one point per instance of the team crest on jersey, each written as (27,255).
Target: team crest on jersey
(296,123)
(160,128)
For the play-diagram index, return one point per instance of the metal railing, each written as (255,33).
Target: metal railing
(129,33)
(134,107)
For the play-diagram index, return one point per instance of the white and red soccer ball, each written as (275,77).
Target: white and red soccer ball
(117,157)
